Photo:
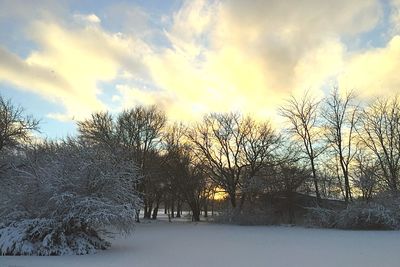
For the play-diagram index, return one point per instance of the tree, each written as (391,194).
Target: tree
(62,196)
(233,148)
(302,116)
(136,132)
(366,174)
(99,129)
(380,132)
(341,116)
(15,127)
(290,176)
(140,131)
(187,177)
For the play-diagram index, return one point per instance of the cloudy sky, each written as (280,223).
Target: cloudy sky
(62,60)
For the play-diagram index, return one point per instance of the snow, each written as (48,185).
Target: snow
(202,244)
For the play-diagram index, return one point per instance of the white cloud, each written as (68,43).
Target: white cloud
(374,72)
(69,64)
(240,56)
(89,19)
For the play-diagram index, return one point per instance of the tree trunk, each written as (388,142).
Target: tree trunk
(155,211)
(314,172)
(232,197)
(147,211)
(196,214)
(242,200)
(178,209)
(172,209)
(290,205)
(137,216)
(345,176)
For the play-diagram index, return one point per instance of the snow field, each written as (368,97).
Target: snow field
(187,244)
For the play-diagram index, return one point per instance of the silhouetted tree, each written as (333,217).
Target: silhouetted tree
(15,127)
(233,148)
(99,129)
(187,176)
(140,131)
(380,132)
(303,118)
(341,116)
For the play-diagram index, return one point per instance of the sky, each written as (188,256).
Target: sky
(63,60)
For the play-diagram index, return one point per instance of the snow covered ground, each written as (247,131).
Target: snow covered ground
(202,244)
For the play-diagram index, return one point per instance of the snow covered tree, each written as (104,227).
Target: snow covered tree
(65,198)
(138,132)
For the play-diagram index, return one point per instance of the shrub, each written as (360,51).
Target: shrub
(59,199)
(357,216)
(49,237)
(367,216)
(321,217)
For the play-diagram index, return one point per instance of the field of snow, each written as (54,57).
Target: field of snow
(202,244)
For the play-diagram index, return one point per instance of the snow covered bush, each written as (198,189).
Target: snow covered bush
(321,217)
(61,199)
(357,216)
(48,237)
(367,216)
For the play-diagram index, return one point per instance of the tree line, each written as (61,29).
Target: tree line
(337,147)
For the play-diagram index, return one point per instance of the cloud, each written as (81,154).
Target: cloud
(395,17)
(206,56)
(374,72)
(69,64)
(239,56)
(129,96)
(27,74)
(90,19)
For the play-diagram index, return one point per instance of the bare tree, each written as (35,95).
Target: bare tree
(100,128)
(186,176)
(366,174)
(380,132)
(15,127)
(139,130)
(330,179)
(291,176)
(233,148)
(341,116)
(302,115)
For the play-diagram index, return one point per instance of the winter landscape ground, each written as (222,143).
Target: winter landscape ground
(204,244)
